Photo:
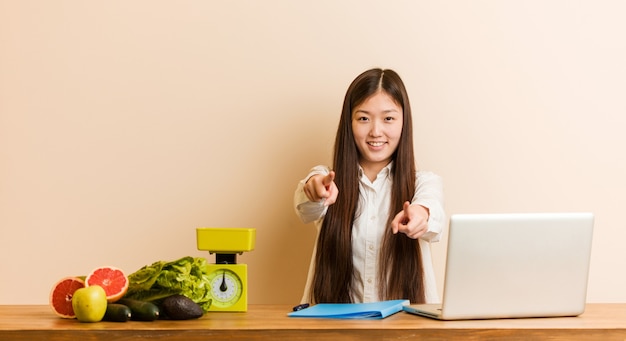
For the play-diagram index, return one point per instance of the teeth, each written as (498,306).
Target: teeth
(376,144)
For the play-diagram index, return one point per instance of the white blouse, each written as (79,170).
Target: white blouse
(369,225)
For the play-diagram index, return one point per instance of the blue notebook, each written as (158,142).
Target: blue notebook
(372,310)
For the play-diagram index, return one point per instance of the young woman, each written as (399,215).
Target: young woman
(375,213)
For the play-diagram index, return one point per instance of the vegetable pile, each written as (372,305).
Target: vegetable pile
(187,276)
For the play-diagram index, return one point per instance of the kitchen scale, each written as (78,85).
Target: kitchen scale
(228,280)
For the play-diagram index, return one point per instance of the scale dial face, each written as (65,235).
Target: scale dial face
(226,288)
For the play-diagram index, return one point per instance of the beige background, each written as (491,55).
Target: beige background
(124,125)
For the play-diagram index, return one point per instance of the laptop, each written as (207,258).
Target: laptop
(514,266)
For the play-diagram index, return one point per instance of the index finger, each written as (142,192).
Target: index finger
(406,208)
(328,179)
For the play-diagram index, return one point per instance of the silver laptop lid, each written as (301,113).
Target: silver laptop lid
(517,265)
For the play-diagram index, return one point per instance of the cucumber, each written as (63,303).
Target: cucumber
(141,310)
(117,313)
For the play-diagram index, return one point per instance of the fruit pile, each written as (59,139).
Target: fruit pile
(100,296)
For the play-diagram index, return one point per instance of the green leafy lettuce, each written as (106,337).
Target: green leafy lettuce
(187,276)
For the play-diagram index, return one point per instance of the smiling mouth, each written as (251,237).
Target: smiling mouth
(376,144)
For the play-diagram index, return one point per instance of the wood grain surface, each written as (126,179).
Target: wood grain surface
(270,322)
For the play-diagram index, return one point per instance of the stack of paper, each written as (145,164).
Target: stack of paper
(373,310)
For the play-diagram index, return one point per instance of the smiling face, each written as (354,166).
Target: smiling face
(377,127)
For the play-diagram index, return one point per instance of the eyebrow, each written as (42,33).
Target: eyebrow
(384,111)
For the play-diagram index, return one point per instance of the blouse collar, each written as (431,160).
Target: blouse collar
(386,171)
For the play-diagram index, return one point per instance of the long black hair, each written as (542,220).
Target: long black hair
(401,272)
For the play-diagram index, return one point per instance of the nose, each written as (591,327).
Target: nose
(376,129)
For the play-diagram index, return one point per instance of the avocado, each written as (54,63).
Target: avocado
(179,307)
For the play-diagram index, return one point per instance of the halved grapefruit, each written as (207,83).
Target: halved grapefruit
(61,296)
(111,279)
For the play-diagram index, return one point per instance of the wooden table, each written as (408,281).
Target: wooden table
(37,322)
